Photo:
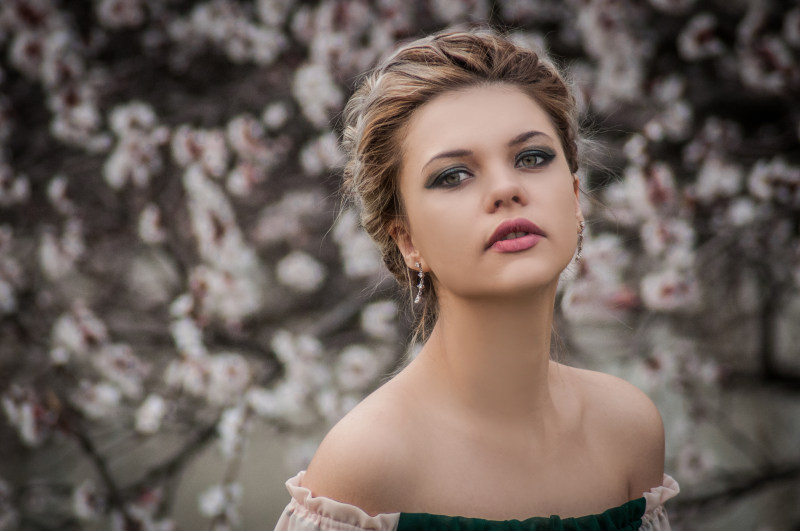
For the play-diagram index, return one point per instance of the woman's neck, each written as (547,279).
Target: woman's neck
(493,356)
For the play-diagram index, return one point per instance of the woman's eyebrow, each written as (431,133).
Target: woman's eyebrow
(458,153)
(519,139)
(454,154)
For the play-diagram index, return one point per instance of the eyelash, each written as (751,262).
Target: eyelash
(544,156)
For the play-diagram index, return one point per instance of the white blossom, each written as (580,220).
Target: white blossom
(188,374)
(301,272)
(359,254)
(137,155)
(300,452)
(715,135)
(247,137)
(665,236)
(718,178)
(8,297)
(286,219)
(273,12)
(670,290)
(661,365)
(231,283)
(227,26)
(291,349)
(78,331)
(119,365)
(669,89)
(742,212)
(358,367)
(11,273)
(378,319)
(272,403)
(213,221)
(57,194)
(317,93)
(77,118)
(97,400)
(13,190)
(648,190)
(132,117)
(188,337)
(775,180)
(450,11)
(766,66)
(200,146)
(600,292)
(151,226)
(276,114)
(228,294)
(791,27)
(697,40)
(229,375)
(57,256)
(219,500)
(321,154)
(26,53)
(619,53)
(61,65)
(150,414)
(120,13)
(244,177)
(144,507)
(333,404)
(673,123)
(230,429)
(288,402)
(635,149)
(694,462)
(673,6)
(27,414)
(86,501)
(181,306)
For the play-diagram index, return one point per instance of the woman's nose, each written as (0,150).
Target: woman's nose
(504,191)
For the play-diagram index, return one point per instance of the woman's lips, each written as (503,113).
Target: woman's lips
(530,234)
(516,244)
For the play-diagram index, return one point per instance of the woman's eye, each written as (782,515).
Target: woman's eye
(534,159)
(452,177)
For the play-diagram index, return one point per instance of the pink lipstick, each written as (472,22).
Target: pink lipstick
(515,235)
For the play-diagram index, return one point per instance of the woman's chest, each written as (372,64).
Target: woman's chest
(492,483)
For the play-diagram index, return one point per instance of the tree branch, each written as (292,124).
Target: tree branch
(739,490)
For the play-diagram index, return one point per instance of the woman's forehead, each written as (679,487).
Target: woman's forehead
(472,118)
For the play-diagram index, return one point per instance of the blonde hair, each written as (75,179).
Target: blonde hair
(376,115)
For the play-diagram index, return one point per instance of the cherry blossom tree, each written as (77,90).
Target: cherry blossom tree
(175,271)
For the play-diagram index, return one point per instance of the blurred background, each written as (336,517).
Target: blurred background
(185,311)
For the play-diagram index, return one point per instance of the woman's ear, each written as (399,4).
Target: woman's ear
(576,185)
(404,242)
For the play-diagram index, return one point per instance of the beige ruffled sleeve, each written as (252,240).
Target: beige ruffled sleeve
(655,515)
(306,512)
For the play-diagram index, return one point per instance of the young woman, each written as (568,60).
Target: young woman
(462,159)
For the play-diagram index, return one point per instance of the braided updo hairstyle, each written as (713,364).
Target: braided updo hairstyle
(378,112)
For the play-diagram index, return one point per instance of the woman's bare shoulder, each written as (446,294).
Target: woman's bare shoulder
(366,459)
(631,423)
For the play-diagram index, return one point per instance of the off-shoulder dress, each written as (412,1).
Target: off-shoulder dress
(306,512)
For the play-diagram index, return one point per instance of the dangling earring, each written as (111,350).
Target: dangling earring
(579,253)
(420,284)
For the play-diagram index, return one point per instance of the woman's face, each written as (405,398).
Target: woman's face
(480,164)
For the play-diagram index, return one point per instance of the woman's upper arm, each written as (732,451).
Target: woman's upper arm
(634,430)
(361,462)
(645,441)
